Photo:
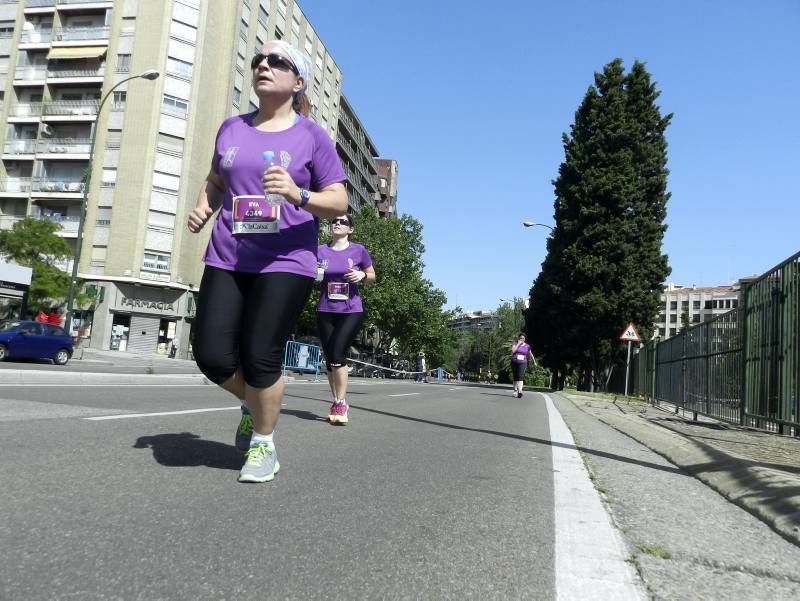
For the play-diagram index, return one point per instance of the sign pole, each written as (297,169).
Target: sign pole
(627,367)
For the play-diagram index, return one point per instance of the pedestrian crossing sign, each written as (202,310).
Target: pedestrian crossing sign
(630,334)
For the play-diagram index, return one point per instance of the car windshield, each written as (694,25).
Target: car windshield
(7,325)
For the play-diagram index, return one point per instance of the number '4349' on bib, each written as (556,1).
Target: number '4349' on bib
(254,214)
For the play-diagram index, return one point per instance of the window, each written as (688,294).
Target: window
(118,101)
(51,330)
(237,96)
(263,16)
(696,305)
(685,305)
(6,29)
(309,46)
(708,304)
(696,318)
(155,262)
(180,68)
(661,332)
(673,306)
(243,30)
(103,216)
(673,318)
(672,331)
(735,303)
(174,106)
(123,63)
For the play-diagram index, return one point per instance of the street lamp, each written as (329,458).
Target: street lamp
(533,223)
(150,74)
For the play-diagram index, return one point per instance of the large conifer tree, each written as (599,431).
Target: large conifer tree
(604,266)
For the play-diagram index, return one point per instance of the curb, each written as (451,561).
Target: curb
(770,494)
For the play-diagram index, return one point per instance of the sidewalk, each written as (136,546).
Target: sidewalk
(756,470)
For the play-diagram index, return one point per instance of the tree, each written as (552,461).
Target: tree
(604,265)
(34,243)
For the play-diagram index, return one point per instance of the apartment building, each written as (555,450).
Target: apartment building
(691,305)
(472,320)
(357,153)
(153,139)
(386,196)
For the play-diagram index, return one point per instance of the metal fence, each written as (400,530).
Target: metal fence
(742,366)
(303,358)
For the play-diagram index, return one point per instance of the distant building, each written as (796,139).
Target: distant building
(472,320)
(696,304)
(386,196)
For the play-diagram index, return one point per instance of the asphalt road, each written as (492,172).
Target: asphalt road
(431,492)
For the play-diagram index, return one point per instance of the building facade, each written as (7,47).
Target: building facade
(682,307)
(153,139)
(472,320)
(386,196)
(357,153)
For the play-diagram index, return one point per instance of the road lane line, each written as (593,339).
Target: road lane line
(406,394)
(103,386)
(589,551)
(159,414)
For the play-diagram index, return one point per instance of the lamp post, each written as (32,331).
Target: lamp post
(149,74)
(533,224)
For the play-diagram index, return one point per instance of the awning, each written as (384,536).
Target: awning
(77,52)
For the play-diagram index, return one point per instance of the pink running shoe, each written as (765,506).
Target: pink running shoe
(338,413)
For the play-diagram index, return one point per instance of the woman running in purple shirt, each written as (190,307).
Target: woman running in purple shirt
(340,312)
(520,353)
(273,174)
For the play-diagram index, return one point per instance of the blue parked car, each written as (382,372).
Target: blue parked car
(34,340)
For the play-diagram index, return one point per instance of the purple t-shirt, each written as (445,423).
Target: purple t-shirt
(521,354)
(336,295)
(240,158)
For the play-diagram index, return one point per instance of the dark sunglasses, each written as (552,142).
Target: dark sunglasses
(340,221)
(275,61)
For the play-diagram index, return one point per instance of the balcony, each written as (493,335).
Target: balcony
(70,110)
(84,4)
(61,148)
(7,221)
(39,6)
(35,37)
(81,34)
(30,75)
(76,75)
(15,186)
(71,186)
(69,225)
(13,148)
(24,110)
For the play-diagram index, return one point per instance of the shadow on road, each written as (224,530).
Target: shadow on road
(303,415)
(188,450)
(613,456)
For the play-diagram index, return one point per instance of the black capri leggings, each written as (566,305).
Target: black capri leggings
(518,369)
(336,331)
(243,321)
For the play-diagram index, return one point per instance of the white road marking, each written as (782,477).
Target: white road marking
(159,414)
(104,385)
(406,394)
(589,552)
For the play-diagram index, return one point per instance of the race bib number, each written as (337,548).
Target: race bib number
(338,291)
(255,215)
(520,357)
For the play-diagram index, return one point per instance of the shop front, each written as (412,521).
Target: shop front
(142,319)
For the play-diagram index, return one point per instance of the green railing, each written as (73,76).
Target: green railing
(742,366)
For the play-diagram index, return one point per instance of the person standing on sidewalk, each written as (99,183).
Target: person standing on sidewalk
(520,353)
(340,312)
(273,174)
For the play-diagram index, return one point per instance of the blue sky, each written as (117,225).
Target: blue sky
(472,104)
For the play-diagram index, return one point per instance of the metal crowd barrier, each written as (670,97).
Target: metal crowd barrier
(302,357)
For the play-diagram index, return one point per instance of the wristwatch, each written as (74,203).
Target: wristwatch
(305,196)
